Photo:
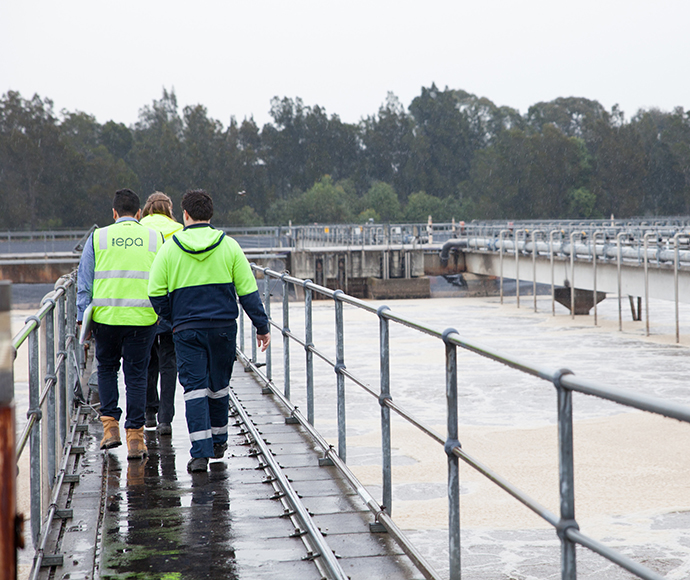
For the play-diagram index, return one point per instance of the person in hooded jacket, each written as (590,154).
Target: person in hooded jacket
(194,281)
(160,410)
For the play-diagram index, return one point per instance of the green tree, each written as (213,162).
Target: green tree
(325,202)
(381,198)
(443,146)
(157,155)
(421,205)
(32,155)
(388,139)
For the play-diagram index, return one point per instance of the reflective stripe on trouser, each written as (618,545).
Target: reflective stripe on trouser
(204,364)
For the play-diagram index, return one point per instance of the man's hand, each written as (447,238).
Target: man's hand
(264,340)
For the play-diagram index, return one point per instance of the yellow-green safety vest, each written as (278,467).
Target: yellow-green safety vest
(123,254)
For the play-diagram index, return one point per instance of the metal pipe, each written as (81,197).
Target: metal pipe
(267,307)
(340,378)
(566,472)
(553,286)
(572,275)
(62,368)
(675,284)
(286,339)
(646,283)
(35,435)
(452,442)
(501,235)
(517,268)
(594,272)
(620,285)
(384,357)
(48,335)
(308,345)
(534,266)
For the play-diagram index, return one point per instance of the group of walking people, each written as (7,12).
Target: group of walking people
(161,299)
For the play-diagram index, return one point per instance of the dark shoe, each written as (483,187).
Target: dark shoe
(164,429)
(197,464)
(151,419)
(219,450)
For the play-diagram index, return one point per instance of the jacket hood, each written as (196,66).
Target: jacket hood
(199,241)
(161,223)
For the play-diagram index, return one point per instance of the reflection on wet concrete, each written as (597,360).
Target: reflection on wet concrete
(160,522)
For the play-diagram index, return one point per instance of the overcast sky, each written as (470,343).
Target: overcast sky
(110,58)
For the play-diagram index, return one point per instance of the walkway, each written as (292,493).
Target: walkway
(155,520)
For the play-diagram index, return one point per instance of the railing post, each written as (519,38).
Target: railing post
(340,378)
(8,458)
(594,272)
(71,343)
(517,268)
(453,466)
(500,260)
(676,265)
(646,282)
(553,285)
(566,477)
(309,343)
(62,371)
(267,307)
(286,339)
(620,285)
(572,274)
(35,437)
(48,333)
(534,266)
(384,352)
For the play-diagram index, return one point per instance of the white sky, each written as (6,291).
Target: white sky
(110,58)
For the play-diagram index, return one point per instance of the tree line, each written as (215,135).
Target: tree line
(449,154)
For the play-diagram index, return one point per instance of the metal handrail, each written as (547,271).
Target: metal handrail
(563,380)
(50,336)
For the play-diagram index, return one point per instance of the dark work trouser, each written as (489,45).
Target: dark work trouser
(204,364)
(132,346)
(162,362)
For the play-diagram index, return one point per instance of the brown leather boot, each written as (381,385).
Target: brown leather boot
(111,433)
(136,448)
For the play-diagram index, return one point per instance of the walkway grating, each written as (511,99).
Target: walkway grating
(157,521)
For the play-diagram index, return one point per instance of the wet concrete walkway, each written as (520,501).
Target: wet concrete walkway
(152,519)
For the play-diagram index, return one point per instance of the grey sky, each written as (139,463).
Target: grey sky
(111,58)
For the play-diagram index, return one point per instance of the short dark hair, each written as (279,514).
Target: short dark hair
(126,202)
(198,205)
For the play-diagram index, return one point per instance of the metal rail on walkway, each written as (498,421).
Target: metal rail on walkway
(661,247)
(564,381)
(54,361)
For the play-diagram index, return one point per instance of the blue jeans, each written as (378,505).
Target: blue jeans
(132,346)
(204,365)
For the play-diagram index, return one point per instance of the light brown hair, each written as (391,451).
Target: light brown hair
(158,202)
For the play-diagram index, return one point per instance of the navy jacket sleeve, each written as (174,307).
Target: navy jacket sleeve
(255,310)
(161,304)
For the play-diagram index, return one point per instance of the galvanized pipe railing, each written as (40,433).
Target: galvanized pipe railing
(564,381)
(49,404)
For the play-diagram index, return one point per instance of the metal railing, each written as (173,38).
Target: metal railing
(54,361)
(658,247)
(564,381)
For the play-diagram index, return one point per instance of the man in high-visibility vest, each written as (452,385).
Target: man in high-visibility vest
(195,281)
(113,277)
